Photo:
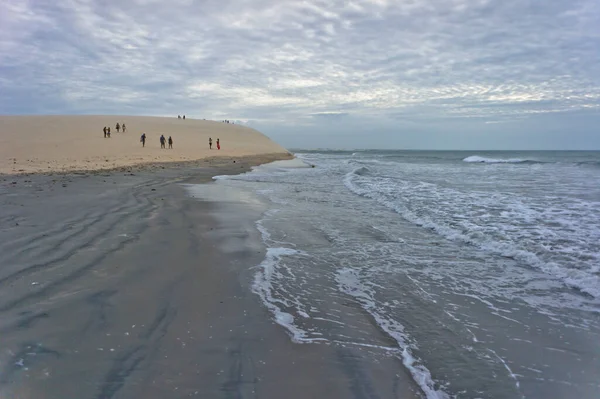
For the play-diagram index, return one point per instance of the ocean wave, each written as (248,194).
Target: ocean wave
(361,171)
(263,287)
(283,164)
(588,163)
(586,281)
(478,159)
(349,282)
(265,282)
(285,310)
(375,162)
(486,160)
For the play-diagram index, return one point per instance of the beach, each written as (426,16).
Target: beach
(323,274)
(123,286)
(118,283)
(58,143)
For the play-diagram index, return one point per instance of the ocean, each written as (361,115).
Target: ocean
(479,271)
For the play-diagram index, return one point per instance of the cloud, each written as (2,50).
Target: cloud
(287,61)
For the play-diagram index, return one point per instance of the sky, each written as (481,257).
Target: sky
(414,74)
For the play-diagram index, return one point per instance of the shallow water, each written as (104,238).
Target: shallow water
(481,269)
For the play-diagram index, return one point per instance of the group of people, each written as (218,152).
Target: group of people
(179,117)
(210,143)
(162,139)
(106,130)
(227,121)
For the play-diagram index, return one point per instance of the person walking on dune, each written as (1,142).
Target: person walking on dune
(143,139)
(210,143)
(108,132)
(162,141)
(170,143)
(104,131)
(218,145)
(117,127)
(123,128)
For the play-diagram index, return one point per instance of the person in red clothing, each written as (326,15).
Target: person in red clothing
(218,145)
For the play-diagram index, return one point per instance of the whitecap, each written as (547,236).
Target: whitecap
(478,159)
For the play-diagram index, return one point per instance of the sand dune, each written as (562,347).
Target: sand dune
(68,143)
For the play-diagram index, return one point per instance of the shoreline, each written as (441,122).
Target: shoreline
(214,161)
(132,288)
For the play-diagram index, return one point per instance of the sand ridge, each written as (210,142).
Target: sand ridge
(57,143)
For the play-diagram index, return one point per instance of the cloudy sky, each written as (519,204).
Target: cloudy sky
(472,74)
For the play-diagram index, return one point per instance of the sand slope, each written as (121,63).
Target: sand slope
(66,143)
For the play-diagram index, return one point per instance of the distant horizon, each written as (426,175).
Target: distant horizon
(308,132)
(425,149)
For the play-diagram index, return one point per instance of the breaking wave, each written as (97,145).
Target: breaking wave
(582,278)
(478,159)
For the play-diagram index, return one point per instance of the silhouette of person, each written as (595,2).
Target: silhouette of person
(143,139)
(162,141)
(123,127)
(218,145)
(117,127)
(108,132)
(170,142)
(178,116)
(183,116)
(104,131)
(210,143)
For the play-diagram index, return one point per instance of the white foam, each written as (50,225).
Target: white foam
(451,201)
(263,287)
(288,163)
(221,177)
(349,282)
(268,171)
(264,284)
(478,159)
(510,372)
(485,237)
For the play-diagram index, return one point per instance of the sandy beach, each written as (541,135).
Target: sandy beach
(116,283)
(39,144)
(120,285)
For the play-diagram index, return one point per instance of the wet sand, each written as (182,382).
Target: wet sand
(119,285)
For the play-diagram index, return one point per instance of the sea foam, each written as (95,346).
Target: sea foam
(586,280)
(350,283)
(478,159)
